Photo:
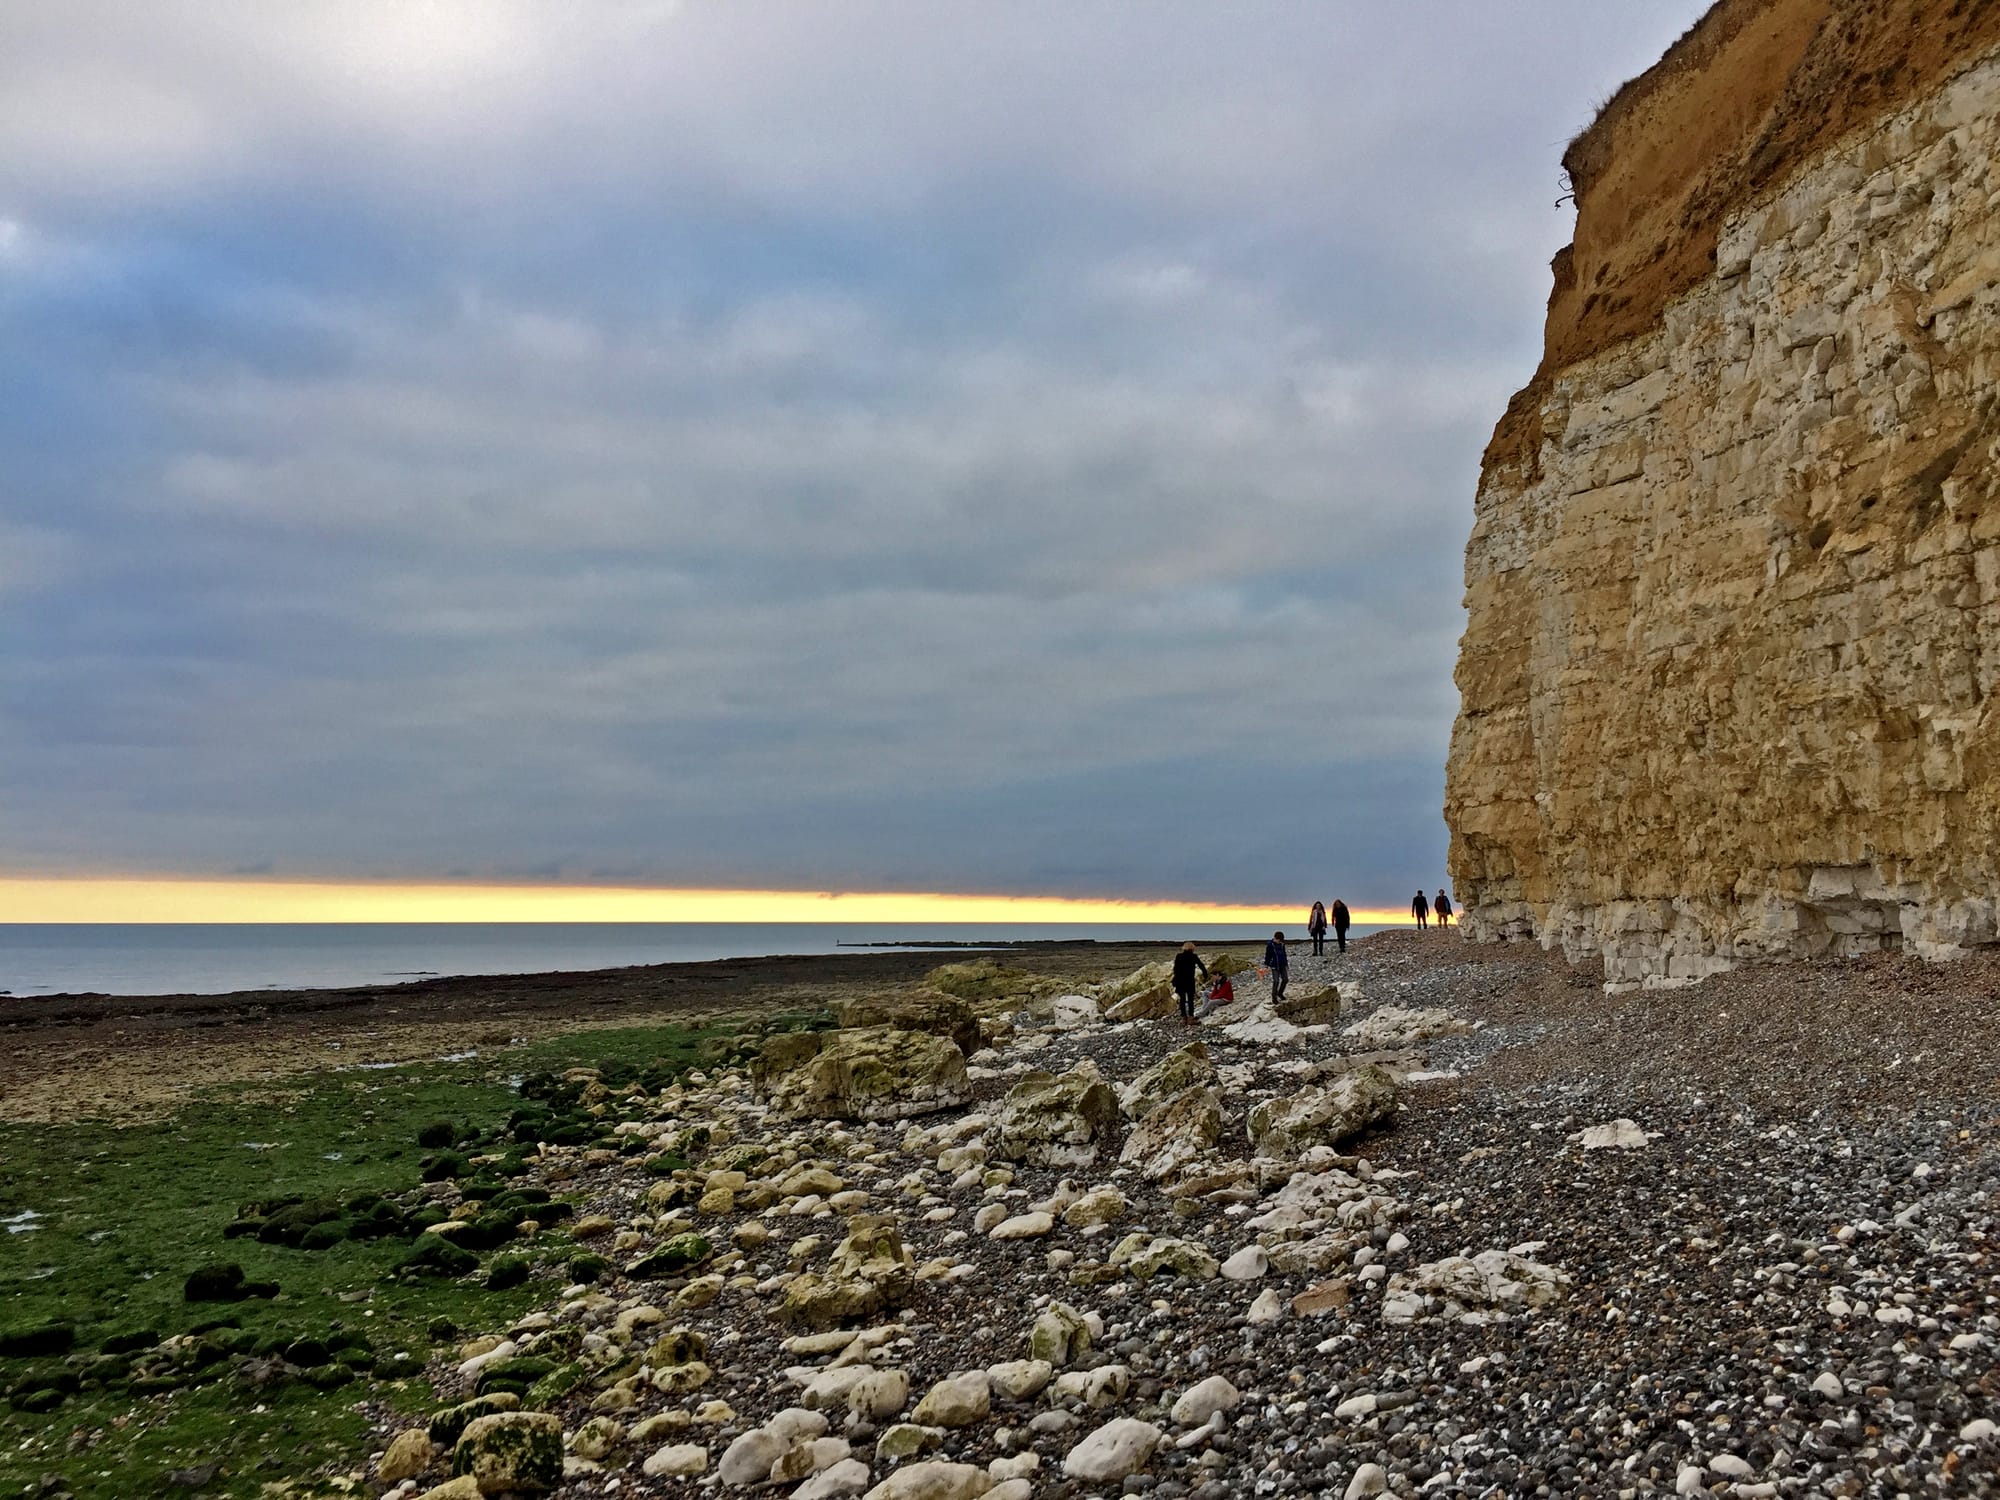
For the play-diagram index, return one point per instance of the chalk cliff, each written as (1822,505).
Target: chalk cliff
(1728,682)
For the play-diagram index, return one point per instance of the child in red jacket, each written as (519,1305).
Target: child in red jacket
(1219,994)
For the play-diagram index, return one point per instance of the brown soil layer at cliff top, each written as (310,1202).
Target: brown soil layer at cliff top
(1753,91)
(135,1056)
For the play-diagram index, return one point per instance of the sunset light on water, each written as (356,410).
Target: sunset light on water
(140,899)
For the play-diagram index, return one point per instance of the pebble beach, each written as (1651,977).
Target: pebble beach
(1735,1239)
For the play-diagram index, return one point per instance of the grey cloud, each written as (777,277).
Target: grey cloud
(875,445)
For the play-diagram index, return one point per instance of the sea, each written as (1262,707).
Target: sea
(222,958)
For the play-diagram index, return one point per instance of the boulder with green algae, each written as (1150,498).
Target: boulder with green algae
(290,1223)
(873,1251)
(1188,1068)
(516,1374)
(905,1440)
(1314,1005)
(434,1255)
(984,979)
(1141,979)
(1352,1103)
(597,1438)
(446,1425)
(678,1380)
(506,1271)
(1151,1001)
(409,1455)
(689,1141)
(1060,1336)
(870,1273)
(1175,1138)
(515,1452)
(874,1073)
(555,1385)
(324,1236)
(783,1051)
(930,1011)
(1144,1257)
(1057,1120)
(681,1253)
(680,1347)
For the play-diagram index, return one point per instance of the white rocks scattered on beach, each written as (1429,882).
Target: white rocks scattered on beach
(1053,1280)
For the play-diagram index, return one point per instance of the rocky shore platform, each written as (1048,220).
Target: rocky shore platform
(1449,1220)
(135,1057)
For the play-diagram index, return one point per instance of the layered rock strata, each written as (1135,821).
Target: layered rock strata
(1728,682)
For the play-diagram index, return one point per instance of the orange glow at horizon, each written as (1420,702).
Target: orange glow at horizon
(157,899)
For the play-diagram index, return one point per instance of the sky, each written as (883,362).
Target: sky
(1017,448)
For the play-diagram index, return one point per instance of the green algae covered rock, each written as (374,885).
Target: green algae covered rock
(984,979)
(1175,1138)
(1057,1120)
(930,1011)
(1178,1071)
(1352,1103)
(434,1255)
(516,1374)
(1145,1257)
(446,1425)
(870,1273)
(873,1073)
(1059,1337)
(517,1452)
(681,1253)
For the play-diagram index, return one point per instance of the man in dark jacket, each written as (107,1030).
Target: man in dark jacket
(1279,962)
(1187,963)
(1340,924)
(1421,910)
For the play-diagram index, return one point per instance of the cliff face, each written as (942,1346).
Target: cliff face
(1728,683)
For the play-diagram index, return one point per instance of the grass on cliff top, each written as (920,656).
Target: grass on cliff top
(126,1212)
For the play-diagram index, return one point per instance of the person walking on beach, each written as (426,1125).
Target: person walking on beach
(1442,906)
(1279,962)
(1421,910)
(1316,929)
(1187,963)
(1340,923)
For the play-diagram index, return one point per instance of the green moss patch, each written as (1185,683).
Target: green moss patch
(224,1286)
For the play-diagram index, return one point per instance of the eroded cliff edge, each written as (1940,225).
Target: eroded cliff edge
(1728,682)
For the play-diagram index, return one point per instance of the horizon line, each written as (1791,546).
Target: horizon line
(200,900)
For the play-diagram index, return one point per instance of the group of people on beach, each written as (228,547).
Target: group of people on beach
(1277,957)
(1424,910)
(1277,963)
(1318,920)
